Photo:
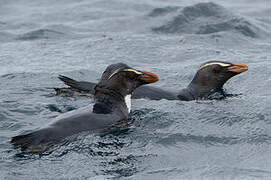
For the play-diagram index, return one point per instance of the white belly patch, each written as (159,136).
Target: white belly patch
(128,102)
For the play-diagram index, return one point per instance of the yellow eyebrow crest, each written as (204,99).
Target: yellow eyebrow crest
(218,63)
(133,70)
(130,70)
(115,72)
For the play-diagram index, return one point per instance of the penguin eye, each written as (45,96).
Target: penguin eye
(131,75)
(216,69)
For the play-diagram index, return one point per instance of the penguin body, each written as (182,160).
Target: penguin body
(110,110)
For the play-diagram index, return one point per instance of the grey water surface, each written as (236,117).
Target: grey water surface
(212,139)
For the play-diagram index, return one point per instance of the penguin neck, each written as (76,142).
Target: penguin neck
(109,101)
(203,88)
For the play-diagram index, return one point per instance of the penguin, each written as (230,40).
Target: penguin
(112,104)
(209,79)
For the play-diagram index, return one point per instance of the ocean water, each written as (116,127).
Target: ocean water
(212,139)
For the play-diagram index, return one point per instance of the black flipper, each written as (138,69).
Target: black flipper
(81,86)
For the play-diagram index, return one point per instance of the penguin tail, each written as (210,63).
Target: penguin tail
(81,86)
(23,141)
(68,81)
(35,142)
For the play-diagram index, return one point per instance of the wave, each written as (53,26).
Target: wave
(205,18)
(41,34)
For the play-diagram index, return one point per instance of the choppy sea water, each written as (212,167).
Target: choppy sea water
(216,139)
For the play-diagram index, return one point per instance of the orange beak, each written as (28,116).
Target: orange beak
(149,77)
(238,67)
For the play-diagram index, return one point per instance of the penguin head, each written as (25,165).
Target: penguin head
(214,74)
(123,79)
